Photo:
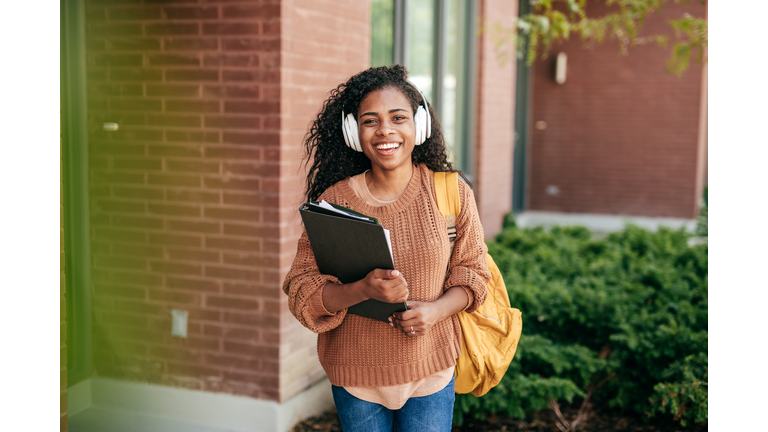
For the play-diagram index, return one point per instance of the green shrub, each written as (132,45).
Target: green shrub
(625,307)
(686,397)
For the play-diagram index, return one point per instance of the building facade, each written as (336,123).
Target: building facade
(620,138)
(182,129)
(182,143)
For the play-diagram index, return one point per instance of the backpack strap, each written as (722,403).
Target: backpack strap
(448,199)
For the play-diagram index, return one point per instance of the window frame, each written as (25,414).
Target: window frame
(468,14)
(74,124)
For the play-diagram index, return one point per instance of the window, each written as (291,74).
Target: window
(382,32)
(435,40)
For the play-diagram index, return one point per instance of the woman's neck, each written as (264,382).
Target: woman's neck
(388,185)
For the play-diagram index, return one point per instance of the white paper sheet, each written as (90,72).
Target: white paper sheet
(327,206)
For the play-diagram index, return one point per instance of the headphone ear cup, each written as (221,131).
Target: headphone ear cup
(353,136)
(419,122)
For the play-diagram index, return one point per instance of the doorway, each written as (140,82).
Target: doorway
(522,111)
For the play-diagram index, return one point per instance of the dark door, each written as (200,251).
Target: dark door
(522,110)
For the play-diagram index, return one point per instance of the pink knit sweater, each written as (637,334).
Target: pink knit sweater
(356,351)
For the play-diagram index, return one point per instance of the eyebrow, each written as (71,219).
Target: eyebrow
(374,113)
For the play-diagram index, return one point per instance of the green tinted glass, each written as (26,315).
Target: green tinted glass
(420,43)
(434,40)
(382,32)
(454,80)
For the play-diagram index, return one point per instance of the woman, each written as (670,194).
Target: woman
(381,163)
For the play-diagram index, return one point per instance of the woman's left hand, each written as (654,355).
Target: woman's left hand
(421,316)
(418,319)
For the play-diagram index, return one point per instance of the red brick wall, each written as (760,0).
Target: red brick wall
(324,43)
(194,198)
(183,196)
(64,406)
(494,122)
(622,136)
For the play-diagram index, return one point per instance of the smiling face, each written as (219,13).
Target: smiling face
(387,130)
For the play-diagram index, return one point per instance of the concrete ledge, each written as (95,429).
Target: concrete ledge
(218,410)
(78,397)
(600,222)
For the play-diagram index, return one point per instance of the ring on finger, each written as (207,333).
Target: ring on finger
(413,331)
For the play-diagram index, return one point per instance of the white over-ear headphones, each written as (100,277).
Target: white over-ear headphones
(422,121)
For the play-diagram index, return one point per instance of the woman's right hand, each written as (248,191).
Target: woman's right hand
(385,285)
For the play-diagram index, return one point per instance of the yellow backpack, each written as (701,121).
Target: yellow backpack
(490,334)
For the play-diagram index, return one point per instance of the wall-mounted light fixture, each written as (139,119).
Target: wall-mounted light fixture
(561,65)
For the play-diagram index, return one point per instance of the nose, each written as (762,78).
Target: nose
(385,128)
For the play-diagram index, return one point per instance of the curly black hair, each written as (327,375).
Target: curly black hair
(332,160)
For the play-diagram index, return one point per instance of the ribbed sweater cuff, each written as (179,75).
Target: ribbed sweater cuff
(470,298)
(314,315)
(315,304)
(468,279)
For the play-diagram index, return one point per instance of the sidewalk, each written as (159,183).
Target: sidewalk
(103,420)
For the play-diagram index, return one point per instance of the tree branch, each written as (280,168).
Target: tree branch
(560,420)
(554,21)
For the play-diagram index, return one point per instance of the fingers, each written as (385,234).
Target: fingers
(384,274)
(408,330)
(387,285)
(406,324)
(393,290)
(418,320)
(413,322)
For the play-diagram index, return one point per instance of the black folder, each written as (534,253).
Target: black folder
(349,248)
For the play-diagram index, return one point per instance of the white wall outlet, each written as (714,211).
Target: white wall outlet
(553,190)
(110,127)
(179,323)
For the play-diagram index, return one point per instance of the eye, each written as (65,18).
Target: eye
(400,117)
(369,121)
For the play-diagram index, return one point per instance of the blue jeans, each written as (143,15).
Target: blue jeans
(433,413)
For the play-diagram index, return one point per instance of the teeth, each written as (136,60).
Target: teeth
(387,146)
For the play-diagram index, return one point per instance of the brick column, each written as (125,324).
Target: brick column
(702,172)
(323,44)
(194,196)
(495,121)
(182,194)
